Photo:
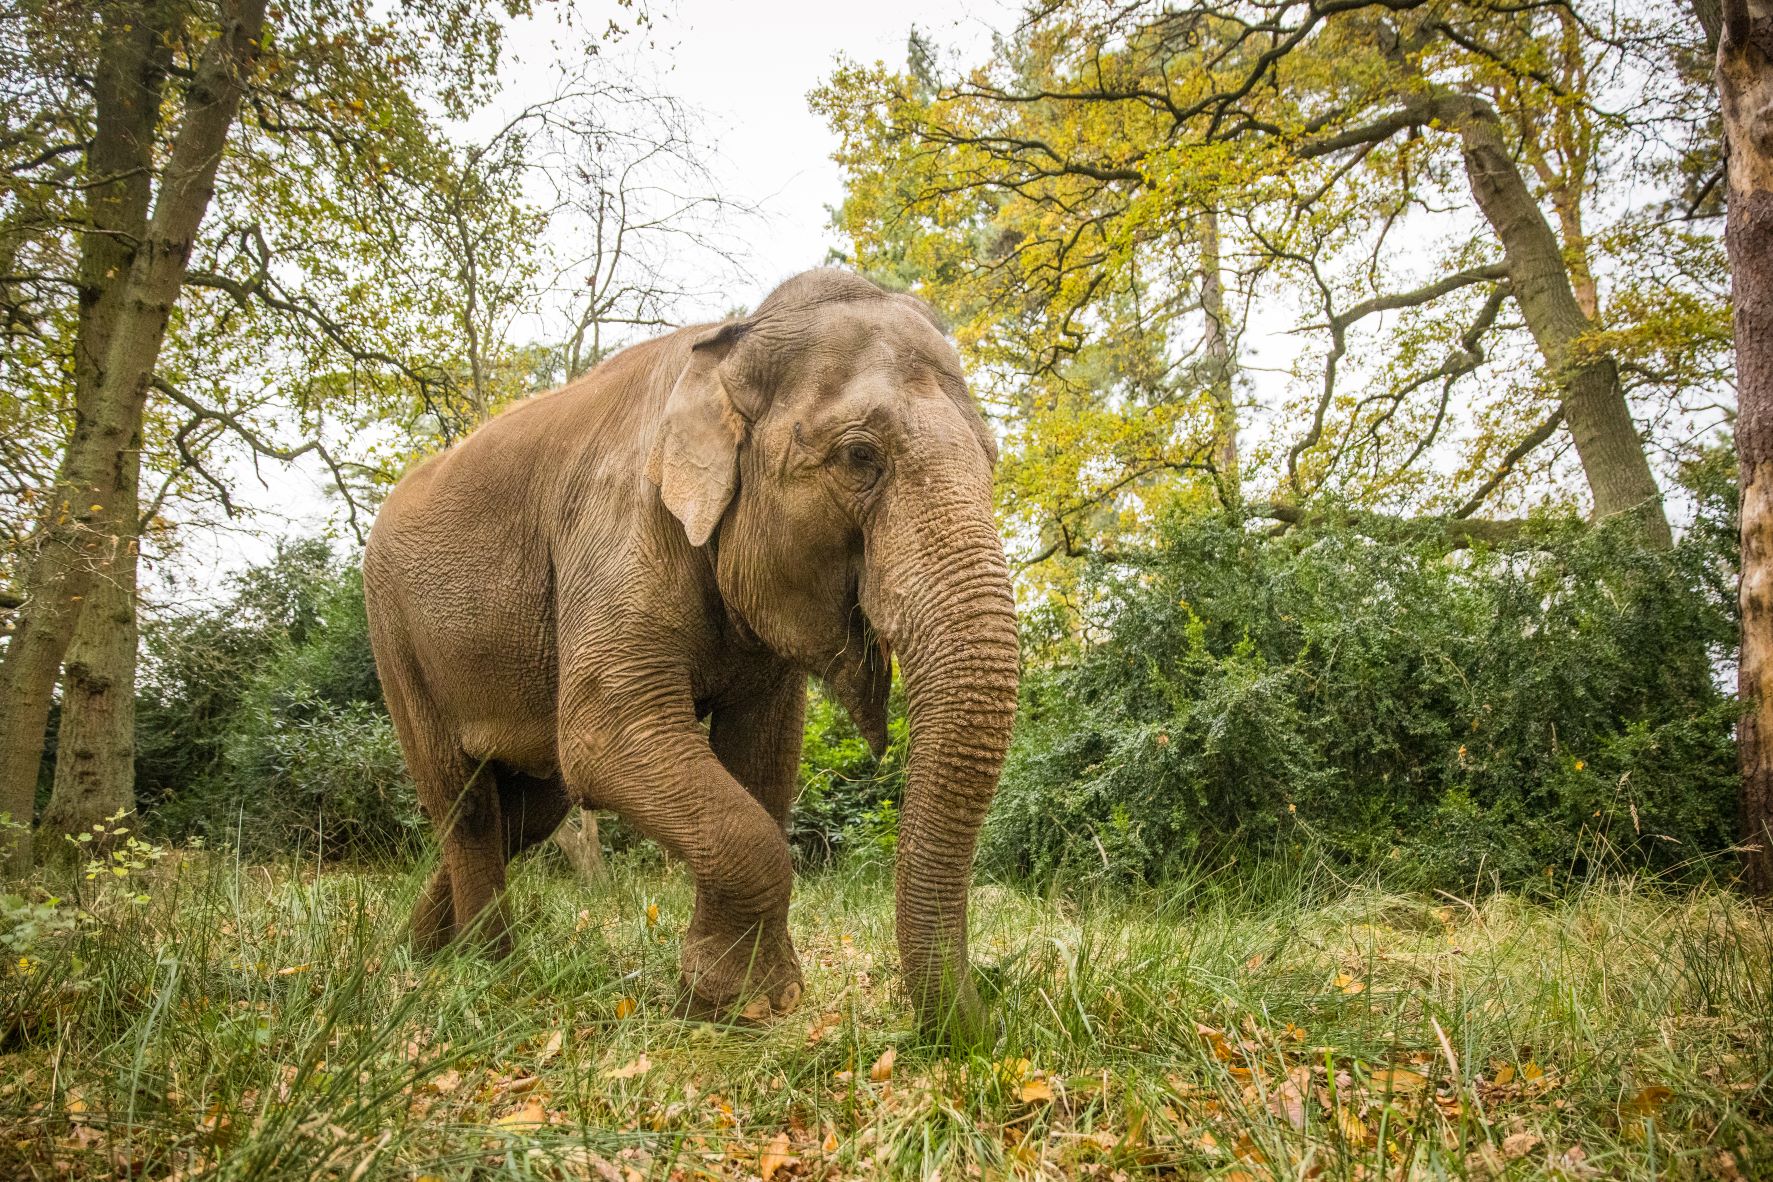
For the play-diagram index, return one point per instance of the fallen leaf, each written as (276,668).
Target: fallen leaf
(1035,1091)
(1222,1050)
(1255,962)
(552,1047)
(293,969)
(829,1144)
(1573,1163)
(883,1066)
(445,1082)
(531,1115)
(1532,1072)
(1647,1101)
(1354,1129)
(585,1164)
(518,1086)
(1348,984)
(822,1025)
(1012,1070)
(652,915)
(1398,1079)
(625,1006)
(1517,1145)
(1503,1074)
(1288,1099)
(640,1066)
(775,1156)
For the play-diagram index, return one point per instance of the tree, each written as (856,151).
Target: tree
(88,520)
(111,186)
(1052,196)
(1745,84)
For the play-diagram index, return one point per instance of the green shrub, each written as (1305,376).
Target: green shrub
(1452,717)
(848,800)
(260,722)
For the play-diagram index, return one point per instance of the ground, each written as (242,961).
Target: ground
(209,1019)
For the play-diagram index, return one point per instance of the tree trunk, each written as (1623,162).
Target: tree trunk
(1745,85)
(1607,442)
(95,747)
(578,840)
(1217,346)
(90,516)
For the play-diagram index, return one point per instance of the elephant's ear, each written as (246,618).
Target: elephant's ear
(695,459)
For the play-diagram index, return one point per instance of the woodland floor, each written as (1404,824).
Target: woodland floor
(254,1022)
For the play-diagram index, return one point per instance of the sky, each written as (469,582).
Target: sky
(750,67)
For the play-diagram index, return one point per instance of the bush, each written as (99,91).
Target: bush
(260,723)
(1498,715)
(848,801)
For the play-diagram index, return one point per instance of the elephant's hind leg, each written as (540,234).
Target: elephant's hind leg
(434,915)
(461,799)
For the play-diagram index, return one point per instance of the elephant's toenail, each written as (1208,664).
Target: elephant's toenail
(757,1010)
(790,998)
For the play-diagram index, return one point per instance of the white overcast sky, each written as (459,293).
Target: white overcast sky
(748,69)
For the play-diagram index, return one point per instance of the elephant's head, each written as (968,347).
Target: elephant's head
(827,452)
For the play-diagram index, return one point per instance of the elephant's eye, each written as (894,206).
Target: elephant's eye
(862,455)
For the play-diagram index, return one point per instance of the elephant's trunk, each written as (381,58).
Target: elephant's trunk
(951,618)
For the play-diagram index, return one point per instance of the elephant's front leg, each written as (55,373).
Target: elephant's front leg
(662,776)
(756,732)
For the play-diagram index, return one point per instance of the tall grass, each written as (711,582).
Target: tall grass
(267,1022)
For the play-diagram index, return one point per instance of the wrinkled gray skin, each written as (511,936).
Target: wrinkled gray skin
(687,532)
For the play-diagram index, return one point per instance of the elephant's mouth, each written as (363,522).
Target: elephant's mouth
(861,676)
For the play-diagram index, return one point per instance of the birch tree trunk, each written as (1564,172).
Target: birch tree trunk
(1745,86)
(90,517)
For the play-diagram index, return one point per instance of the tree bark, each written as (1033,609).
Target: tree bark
(90,516)
(95,745)
(1217,346)
(1607,443)
(95,749)
(1745,86)
(578,840)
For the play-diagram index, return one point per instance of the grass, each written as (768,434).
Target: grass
(263,1022)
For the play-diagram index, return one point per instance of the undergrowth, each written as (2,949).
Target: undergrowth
(267,1022)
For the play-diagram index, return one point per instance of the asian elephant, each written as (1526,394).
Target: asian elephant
(684,534)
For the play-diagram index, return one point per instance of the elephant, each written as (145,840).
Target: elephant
(560,601)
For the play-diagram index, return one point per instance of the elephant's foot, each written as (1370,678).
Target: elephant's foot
(744,979)
(434,917)
(488,934)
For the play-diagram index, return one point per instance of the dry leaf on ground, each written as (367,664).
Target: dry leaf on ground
(775,1156)
(640,1066)
(1398,1079)
(531,1115)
